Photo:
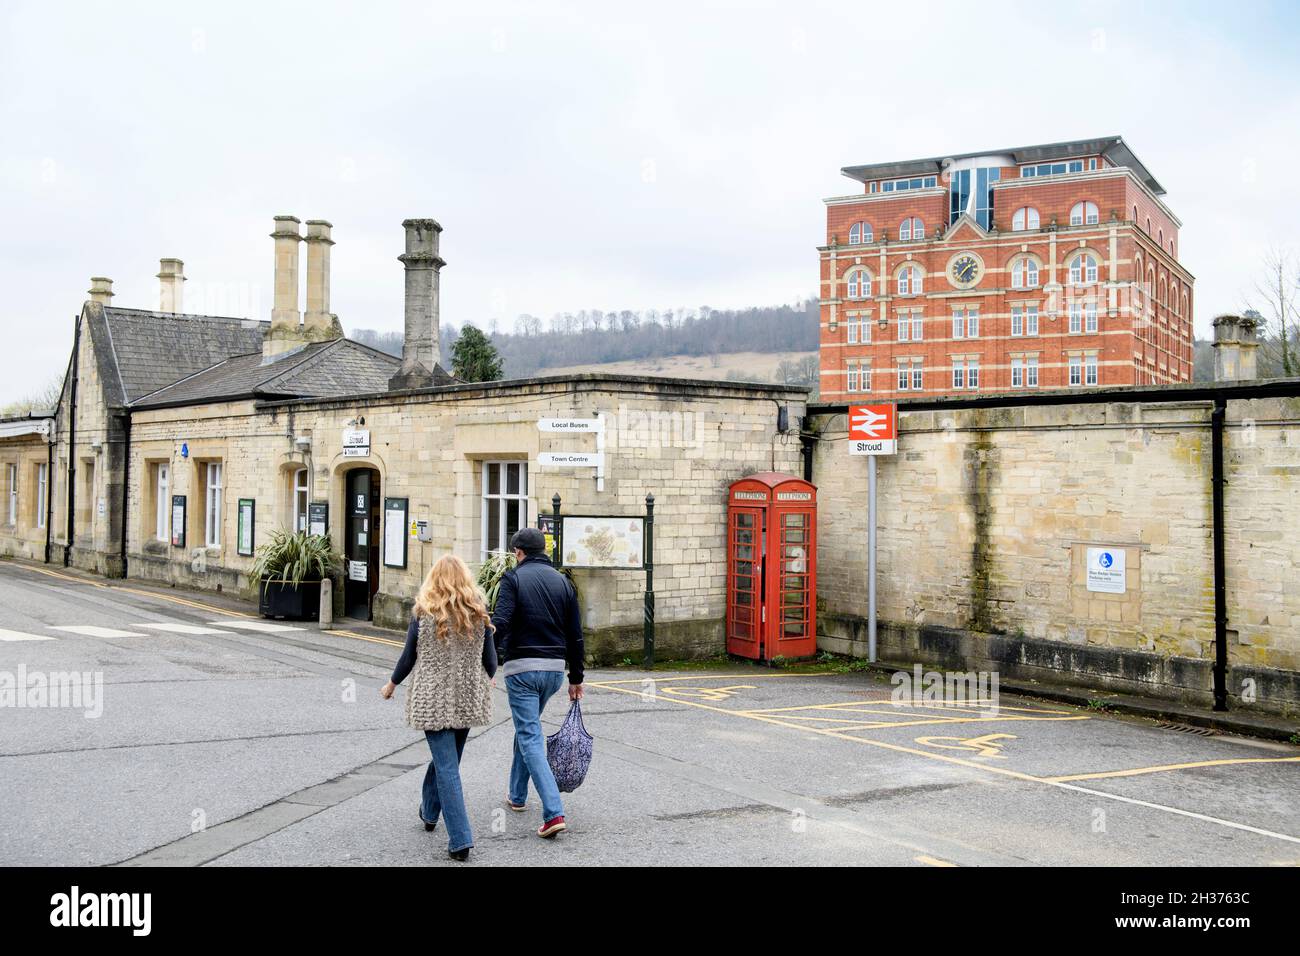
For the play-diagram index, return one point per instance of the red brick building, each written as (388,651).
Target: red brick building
(1048,266)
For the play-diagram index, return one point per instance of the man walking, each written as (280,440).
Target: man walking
(538,633)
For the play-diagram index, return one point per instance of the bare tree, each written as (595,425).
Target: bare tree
(1275,299)
(44,399)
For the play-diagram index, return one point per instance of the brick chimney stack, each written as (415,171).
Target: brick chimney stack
(171,281)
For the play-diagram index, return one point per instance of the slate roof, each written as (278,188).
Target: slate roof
(318,370)
(153,349)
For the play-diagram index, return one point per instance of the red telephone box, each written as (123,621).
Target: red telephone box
(772,567)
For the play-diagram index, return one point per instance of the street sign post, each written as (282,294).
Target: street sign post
(873,431)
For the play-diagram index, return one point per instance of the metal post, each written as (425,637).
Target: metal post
(871,558)
(648,639)
(555,530)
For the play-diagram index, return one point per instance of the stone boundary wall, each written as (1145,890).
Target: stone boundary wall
(986,517)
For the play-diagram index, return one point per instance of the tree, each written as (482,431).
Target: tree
(43,399)
(474,358)
(1275,298)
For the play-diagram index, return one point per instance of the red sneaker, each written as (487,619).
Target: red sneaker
(551,827)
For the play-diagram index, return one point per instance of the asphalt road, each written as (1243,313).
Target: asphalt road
(221,739)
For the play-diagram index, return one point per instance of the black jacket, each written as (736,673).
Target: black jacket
(537,616)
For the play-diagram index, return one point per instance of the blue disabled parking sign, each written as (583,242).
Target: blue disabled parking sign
(1106,570)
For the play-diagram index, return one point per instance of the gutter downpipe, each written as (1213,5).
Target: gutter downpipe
(126,483)
(72,441)
(49,488)
(1217,418)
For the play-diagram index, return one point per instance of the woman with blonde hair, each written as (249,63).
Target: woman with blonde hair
(450,651)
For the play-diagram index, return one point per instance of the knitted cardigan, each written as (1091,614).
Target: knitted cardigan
(449,688)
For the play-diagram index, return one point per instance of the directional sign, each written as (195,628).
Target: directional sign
(570,425)
(572,459)
(873,429)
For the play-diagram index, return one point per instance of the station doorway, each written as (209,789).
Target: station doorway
(361,542)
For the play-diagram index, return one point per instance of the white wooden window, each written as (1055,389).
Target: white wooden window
(1024,274)
(1090,316)
(162,501)
(505,503)
(1076,370)
(902,376)
(853,376)
(1026,217)
(972,373)
(212,511)
(904,326)
(859,233)
(1083,269)
(958,374)
(911,228)
(918,326)
(1017,372)
(865,372)
(909,280)
(301,495)
(42,493)
(1031,371)
(1090,370)
(859,284)
(916,374)
(13,493)
(1084,213)
(1076,317)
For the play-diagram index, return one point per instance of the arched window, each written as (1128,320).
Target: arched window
(1171,246)
(1151,282)
(1148,225)
(1084,213)
(859,283)
(1164,292)
(859,233)
(1162,238)
(1083,268)
(1026,217)
(909,280)
(1024,273)
(1186,314)
(911,229)
(1173,296)
(1135,214)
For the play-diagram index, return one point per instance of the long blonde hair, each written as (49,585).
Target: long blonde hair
(450,596)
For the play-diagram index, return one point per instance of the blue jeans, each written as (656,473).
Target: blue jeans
(528,694)
(442,793)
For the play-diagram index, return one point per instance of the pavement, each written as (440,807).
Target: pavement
(222,739)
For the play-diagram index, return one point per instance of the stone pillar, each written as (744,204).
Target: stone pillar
(420,350)
(1235,346)
(101,290)
(171,279)
(318,321)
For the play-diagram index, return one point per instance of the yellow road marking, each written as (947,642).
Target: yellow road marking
(653,676)
(1138,771)
(897,708)
(932,861)
(958,761)
(363,637)
(990,745)
(708,693)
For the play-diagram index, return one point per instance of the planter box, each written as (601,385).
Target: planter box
(279,600)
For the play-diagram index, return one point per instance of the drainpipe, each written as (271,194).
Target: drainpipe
(49,487)
(1220,575)
(72,441)
(126,483)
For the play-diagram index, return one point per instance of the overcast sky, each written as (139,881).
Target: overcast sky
(603,155)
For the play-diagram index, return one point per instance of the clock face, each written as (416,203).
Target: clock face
(965,270)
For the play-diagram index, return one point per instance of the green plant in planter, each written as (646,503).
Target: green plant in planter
(292,557)
(493,570)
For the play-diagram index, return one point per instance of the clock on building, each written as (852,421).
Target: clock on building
(964,270)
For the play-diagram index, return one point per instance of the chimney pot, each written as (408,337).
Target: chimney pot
(1235,345)
(171,281)
(101,290)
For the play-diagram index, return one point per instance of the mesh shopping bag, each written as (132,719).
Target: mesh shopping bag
(568,751)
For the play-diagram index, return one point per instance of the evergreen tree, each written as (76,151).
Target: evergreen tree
(474,358)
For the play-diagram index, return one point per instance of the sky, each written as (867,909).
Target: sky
(585,155)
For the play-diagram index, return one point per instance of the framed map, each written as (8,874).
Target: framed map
(603,542)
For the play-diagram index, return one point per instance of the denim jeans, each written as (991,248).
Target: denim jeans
(528,694)
(442,793)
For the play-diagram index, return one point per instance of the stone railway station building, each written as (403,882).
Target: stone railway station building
(988,513)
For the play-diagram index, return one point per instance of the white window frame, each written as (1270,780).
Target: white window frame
(1024,273)
(1076,318)
(958,324)
(1017,373)
(1017,320)
(859,284)
(1090,316)
(1031,372)
(903,375)
(42,492)
(1031,318)
(162,502)
(917,383)
(1081,275)
(212,509)
(909,280)
(918,326)
(1090,375)
(853,377)
(958,374)
(1025,218)
(972,373)
(301,499)
(498,535)
(1076,371)
(855,234)
(12,470)
(904,326)
(865,372)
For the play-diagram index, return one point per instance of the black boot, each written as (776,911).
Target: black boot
(428,827)
(459,855)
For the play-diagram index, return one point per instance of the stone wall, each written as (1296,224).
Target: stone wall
(985,521)
(25,536)
(683,442)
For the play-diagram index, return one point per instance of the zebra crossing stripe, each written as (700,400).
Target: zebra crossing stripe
(94,630)
(264,626)
(177,627)
(7,635)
